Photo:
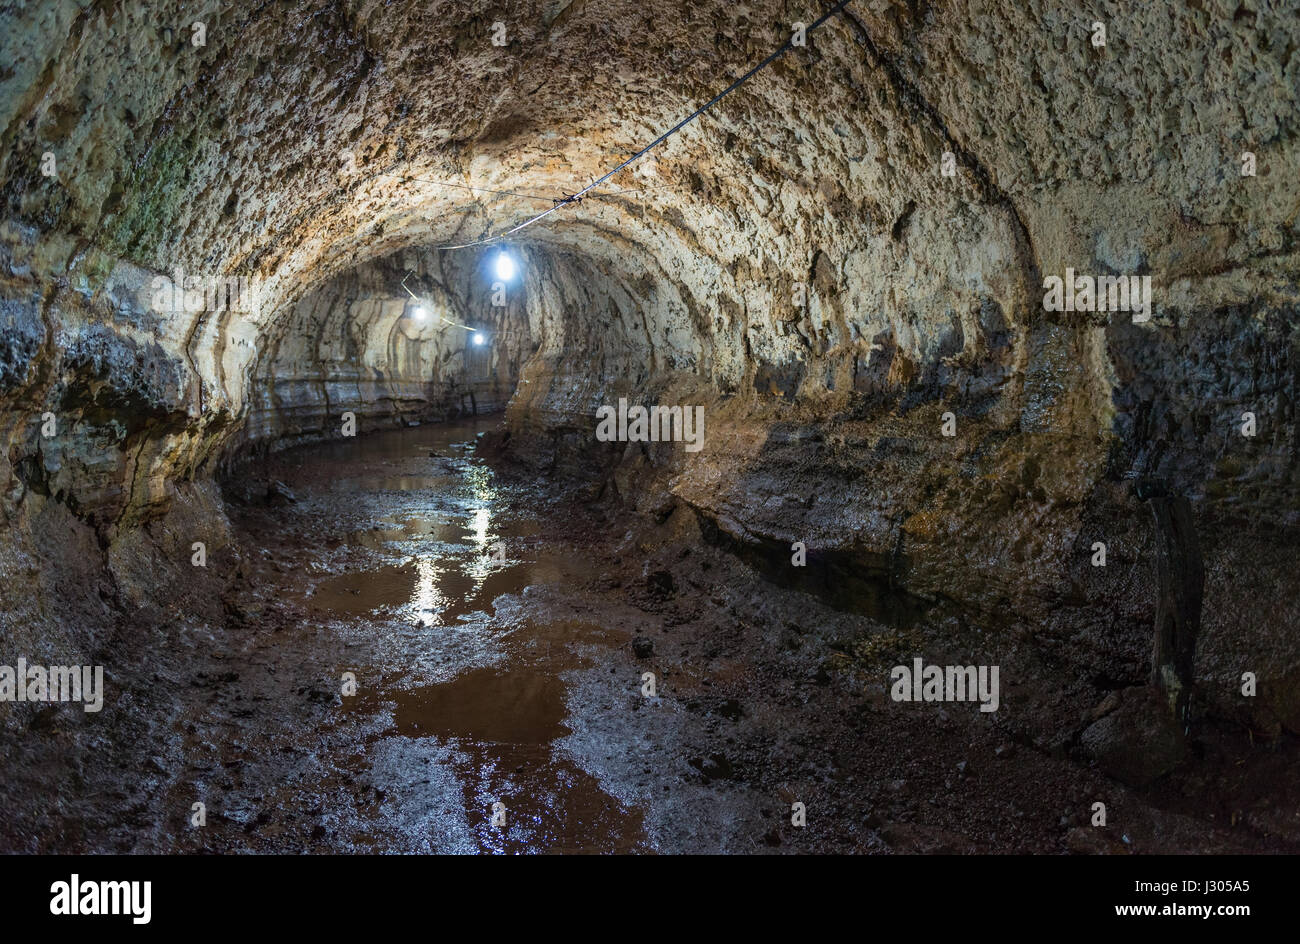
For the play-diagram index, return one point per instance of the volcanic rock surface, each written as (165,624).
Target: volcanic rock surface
(796,261)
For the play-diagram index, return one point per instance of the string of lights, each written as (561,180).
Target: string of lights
(505,268)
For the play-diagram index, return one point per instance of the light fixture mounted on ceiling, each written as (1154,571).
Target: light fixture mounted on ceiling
(505,267)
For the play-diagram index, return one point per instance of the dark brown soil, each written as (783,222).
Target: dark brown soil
(519,681)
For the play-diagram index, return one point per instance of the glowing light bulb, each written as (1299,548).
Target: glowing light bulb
(505,267)
(419,313)
(478,338)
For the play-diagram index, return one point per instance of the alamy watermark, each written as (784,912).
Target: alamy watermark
(193,293)
(683,424)
(83,683)
(1099,293)
(921,682)
(77,897)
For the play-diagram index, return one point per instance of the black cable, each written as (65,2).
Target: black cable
(439,183)
(574,198)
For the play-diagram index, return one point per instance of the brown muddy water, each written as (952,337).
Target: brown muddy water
(416,650)
(407,553)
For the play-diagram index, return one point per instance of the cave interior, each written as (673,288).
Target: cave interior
(968,336)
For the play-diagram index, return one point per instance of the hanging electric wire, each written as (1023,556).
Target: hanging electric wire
(577,197)
(440,183)
(499,193)
(441,317)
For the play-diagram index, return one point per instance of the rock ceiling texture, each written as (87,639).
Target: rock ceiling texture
(325,150)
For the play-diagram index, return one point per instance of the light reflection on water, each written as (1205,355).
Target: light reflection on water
(440,571)
(411,540)
(482,564)
(482,519)
(479,479)
(427,599)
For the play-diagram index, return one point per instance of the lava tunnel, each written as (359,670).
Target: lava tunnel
(646,427)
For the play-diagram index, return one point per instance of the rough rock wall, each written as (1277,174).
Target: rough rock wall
(304,139)
(924,295)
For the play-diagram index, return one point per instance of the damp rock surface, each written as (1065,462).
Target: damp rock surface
(376,677)
(214,254)
(1137,741)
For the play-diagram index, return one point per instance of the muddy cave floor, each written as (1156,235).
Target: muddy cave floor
(519,681)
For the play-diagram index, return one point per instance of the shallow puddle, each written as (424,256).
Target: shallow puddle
(430,591)
(505,723)
(549,804)
(426,538)
(405,483)
(484,705)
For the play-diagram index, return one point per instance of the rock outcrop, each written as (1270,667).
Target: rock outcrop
(840,262)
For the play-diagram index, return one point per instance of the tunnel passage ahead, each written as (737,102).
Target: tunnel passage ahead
(845,265)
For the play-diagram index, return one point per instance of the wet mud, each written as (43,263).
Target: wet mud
(425,651)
